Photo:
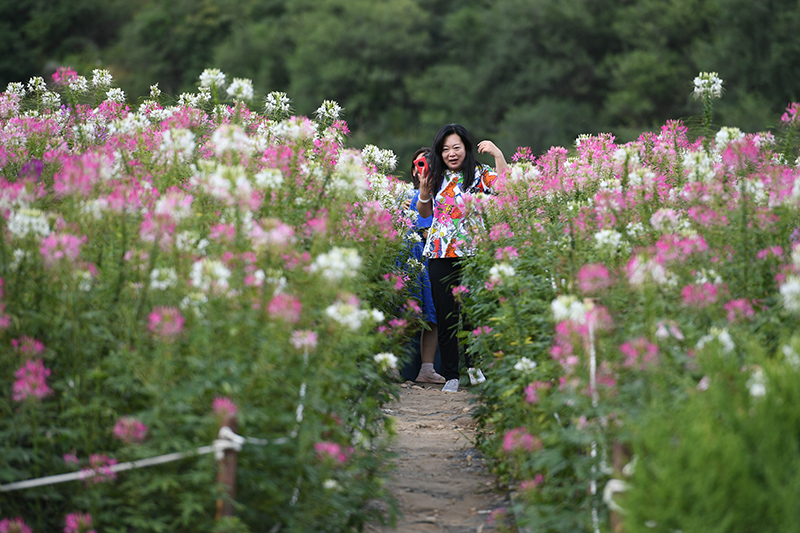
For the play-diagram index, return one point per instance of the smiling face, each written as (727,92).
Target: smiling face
(453,152)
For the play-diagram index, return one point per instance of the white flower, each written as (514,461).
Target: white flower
(501,271)
(525,365)
(757,384)
(346,314)
(212,77)
(116,95)
(331,484)
(51,100)
(726,135)
(26,221)
(382,159)
(101,78)
(337,264)
(269,178)
(720,335)
(37,84)
(194,302)
(328,111)
(231,138)
(78,84)
(208,273)
(707,85)
(791,356)
(277,104)
(387,361)
(177,145)
(608,238)
(568,307)
(704,383)
(18,258)
(155,92)
(84,279)
(790,291)
(294,129)
(241,89)
(16,87)
(162,279)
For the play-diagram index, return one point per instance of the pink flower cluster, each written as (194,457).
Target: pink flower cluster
(14,525)
(303,340)
(223,405)
(166,322)
(56,247)
(333,451)
(130,430)
(531,390)
(285,307)
(518,439)
(78,523)
(31,381)
(639,353)
(100,468)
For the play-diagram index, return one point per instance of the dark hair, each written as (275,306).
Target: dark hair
(437,163)
(424,150)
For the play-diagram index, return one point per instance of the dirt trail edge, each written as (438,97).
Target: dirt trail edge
(441,480)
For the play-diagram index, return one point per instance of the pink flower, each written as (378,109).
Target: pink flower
(222,405)
(78,523)
(304,340)
(14,525)
(100,469)
(61,246)
(63,75)
(507,253)
(413,306)
(791,116)
(285,307)
(31,381)
(701,295)
(5,320)
(130,430)
(530,484)
(531,394)
(738,309)
(71,458)
(481,330)
(166,322)
(331,450)
(518,439)
(459,290)
(639,353)
(28,346)
(593,278)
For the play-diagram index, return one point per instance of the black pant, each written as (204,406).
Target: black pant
(446,274)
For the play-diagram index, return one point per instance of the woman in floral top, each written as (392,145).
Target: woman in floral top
(453,176)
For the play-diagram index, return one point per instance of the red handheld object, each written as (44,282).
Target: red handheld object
(422,166)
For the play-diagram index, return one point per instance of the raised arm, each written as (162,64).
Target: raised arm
(425,208)
(488,147)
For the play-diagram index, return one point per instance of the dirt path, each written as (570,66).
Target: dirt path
(441,481)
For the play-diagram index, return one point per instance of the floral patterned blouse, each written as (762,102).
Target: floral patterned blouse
(450,233)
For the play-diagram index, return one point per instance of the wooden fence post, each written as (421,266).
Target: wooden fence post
(226,474)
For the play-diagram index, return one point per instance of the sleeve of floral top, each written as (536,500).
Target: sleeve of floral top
(488,177)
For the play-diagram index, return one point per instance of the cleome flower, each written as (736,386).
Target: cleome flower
(707,85)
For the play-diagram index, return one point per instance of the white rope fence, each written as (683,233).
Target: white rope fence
(226,439)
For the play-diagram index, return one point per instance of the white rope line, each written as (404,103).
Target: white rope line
(595,401)
(296,430)
(226,440)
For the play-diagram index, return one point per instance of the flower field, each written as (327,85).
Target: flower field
(163,267)
(638,307)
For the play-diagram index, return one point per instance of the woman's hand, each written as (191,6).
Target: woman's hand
(425,209)
(488,147)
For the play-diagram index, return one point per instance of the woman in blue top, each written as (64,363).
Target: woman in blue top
(453,176)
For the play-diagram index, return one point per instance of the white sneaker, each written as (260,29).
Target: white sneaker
(476,377)
(450,386)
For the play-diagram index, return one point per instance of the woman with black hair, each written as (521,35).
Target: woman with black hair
(453,175)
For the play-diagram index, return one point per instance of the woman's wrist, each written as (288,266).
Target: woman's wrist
(420,200)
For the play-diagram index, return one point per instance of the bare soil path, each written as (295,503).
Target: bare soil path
(441,480)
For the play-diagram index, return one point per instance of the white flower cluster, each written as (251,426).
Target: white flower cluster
(568,307)
(387,361)
(116,95)
(699,166)
(717,334)
(792,356)
(525,365)
(78,84)
(642,270)
(163,278)
(337,264)
(177,145)
(241,89)
(726,135)
(524,172)
(349,176)
(384,160)
(707,85)
(101,78)
(155,92)
(269,178)
(757,384)
(28,221)
(51,100)
(231,137)
(328,111)
(212,77)
(16,87)
(294,129)
(37,84)
(208,273)
(277,104)
(500,272)
(790,292)
(609,239)
(348,314)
